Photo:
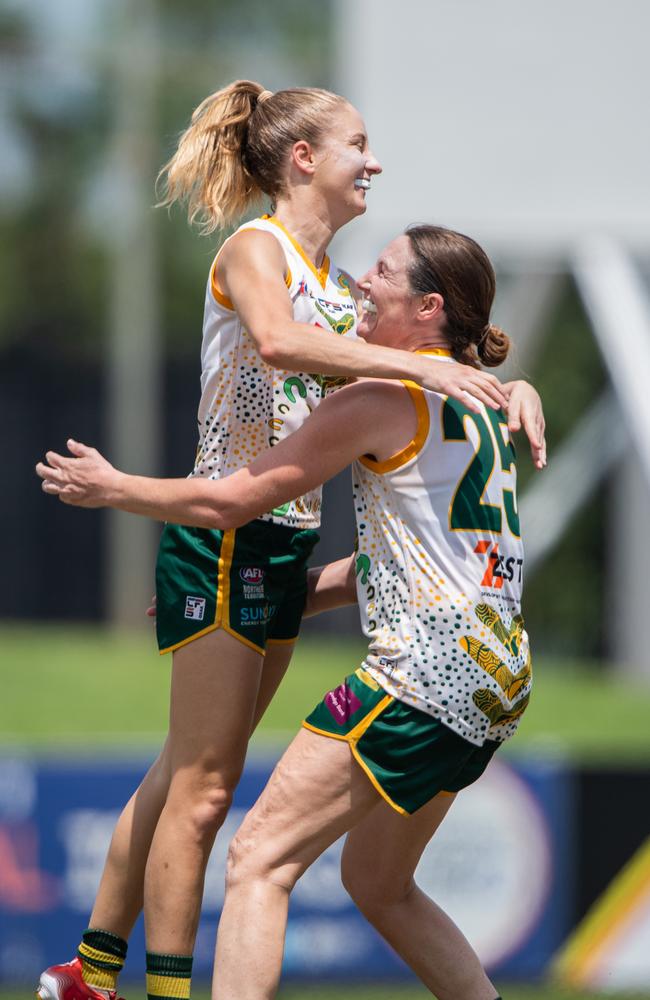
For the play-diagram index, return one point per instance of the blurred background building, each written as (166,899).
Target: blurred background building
(521,125)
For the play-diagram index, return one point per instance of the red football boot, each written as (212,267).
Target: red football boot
(65,982)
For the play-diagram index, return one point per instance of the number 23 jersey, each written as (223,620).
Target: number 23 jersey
(439,570)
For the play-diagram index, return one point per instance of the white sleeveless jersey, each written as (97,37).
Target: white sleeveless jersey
(439,570)
(246,405)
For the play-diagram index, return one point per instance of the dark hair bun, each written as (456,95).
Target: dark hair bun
(493,346)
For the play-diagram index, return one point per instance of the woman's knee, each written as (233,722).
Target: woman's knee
(252,858)
(245,860)
(210,808)
(373,891)
(203,799)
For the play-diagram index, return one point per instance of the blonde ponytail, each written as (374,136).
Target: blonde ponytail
(235,149)
(207,171)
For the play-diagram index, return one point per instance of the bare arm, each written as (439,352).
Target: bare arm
(254,260)
(330,586)
(344,426)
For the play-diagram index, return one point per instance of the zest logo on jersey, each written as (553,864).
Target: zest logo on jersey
(499,567)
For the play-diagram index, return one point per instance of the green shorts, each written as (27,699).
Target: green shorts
(250,581)
(408,755)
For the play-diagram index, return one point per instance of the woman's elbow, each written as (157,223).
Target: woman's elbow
(269,349)
(216,521)
(226,517)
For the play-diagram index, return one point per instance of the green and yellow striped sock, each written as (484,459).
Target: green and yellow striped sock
(102,957)
(168,976)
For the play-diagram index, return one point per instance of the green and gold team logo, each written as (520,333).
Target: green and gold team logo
(339,324)
(343,281)
(511,684)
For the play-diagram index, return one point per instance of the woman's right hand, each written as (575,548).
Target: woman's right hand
(470,386)
(84,478)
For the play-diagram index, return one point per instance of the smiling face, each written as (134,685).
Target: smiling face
(345,164)
(390,308)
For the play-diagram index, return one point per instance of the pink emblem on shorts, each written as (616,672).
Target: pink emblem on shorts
(342,703)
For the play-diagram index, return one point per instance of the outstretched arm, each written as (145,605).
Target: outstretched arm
(344,426)
(254,260)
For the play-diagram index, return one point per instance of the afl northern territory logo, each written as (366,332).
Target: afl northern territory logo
(252,578)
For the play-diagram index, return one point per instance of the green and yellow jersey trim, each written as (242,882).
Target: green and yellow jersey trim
(353,737)
(321,273)
(222,299)
(222,617)
(415,445)
(222,613)
(423,417)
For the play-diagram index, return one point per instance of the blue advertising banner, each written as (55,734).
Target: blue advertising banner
(500,866)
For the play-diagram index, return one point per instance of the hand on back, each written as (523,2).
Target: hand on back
(468,385)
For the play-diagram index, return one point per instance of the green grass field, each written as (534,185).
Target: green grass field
(69,687)
(66,688)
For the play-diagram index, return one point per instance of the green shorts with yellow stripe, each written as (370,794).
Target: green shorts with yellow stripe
(250,581)
(408,755)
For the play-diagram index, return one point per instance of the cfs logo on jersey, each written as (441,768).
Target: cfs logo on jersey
(252,582)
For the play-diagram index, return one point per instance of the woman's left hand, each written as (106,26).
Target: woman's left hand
(525,411)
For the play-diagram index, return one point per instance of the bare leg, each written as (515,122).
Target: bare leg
(120,894)
(119,898)
(216,684)
(381,883)
(315,794)
(276,662)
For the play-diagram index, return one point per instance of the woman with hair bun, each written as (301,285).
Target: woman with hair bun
(448,673)
(279,332)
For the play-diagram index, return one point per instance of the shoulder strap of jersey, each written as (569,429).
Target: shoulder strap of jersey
(222,299)
(417,442)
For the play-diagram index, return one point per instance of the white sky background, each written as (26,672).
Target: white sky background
(523,122)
